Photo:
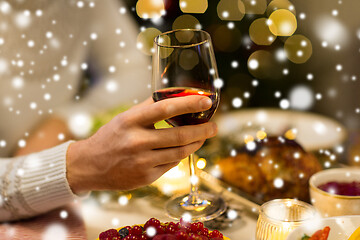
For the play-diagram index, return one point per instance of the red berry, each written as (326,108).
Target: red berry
(194,227)
(152,222)
(204,232)
(215,234)
(170,229)
(160,229)
(181,235)
(137,230)
(109,234)
(200,225)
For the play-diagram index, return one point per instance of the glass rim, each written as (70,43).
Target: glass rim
(307,205)
(185,45)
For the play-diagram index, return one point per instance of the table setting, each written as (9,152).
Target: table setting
(282,161)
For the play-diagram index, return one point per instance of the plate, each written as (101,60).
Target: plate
(313,131)
(341,228)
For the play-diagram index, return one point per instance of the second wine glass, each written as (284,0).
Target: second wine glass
(184,64)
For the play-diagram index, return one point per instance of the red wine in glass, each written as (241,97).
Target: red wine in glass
(189,118)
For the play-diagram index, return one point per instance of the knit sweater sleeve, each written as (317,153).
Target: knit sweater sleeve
(34,184)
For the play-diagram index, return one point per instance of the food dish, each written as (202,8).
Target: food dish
(341,228)
(332,204)
(275,168)
(313,131)
(153,229)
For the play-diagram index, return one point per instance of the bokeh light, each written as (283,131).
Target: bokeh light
(298,48)
(225,39)
(255,6)
(260,33)
(193,6)
(188,59)
(186,21)
(282,22)
(231,10)
(145,40)
(150,8)
(263,65)
(280,4)
(301,97)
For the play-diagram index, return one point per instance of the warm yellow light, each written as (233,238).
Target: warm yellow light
(282,23)
(188,59)
(231,10)
(261,135)
(150,8)
(263,65)
(255,6)
(201,163)
(193,6)
(145,40)
(298,48)
(280,4)
(291,134)
(186,21)
(260,33)
(248,138)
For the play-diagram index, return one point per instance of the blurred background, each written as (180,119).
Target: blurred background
(310,66)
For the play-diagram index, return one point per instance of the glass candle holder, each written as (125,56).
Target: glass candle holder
(279,217)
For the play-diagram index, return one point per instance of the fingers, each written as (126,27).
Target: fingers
(180,136)
(164,109)
(174,155)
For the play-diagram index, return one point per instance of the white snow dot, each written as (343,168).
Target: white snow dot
(278,183)
(112,69)
(225,14)
(277,94)
(122,10)
(255,83)
(253,64)
(39,12)
(285,71)
(93,36)
(47,96)
(49,34)
(64,214)
(218,83)
(56,77)
(302,16)
(55,231)
(232,214)
(5,7)
(337,47)
(231,25)
(318,96)
(339,67)
(2,41)
(80,124)
(111,86)
(237,102)
(118,31)
(123,200)
(310,76)
(33,105)
(80,4)
(22,20)
(334,12)
(122,44)
(61,136)
(150,232)
(301,97)
(284,104)
(20,172)
(234,64)
(31,43)
(2,143)
(17,82)
(115,222)
(21,143)
(251,146)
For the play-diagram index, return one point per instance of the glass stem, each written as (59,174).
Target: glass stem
(194,182)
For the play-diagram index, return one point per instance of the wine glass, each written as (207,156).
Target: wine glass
(184,64)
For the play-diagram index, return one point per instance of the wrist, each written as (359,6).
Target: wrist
(74,168)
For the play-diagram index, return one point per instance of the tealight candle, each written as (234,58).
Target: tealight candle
(279,217)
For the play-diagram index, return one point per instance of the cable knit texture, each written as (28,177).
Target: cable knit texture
(34,184)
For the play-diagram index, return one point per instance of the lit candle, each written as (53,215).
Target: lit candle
(279,217)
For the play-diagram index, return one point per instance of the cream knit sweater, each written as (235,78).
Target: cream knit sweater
(44,47)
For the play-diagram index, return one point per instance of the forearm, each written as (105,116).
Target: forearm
(34,184)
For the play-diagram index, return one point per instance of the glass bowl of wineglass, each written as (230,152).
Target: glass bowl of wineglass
(184,64)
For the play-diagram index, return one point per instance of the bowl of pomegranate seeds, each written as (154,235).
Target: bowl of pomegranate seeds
(336,192)
(153,229)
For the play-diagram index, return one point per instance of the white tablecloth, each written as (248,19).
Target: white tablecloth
(98,219)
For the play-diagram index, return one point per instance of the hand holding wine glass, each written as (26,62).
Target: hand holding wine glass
(184,65)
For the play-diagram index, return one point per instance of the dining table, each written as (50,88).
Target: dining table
(99,217)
